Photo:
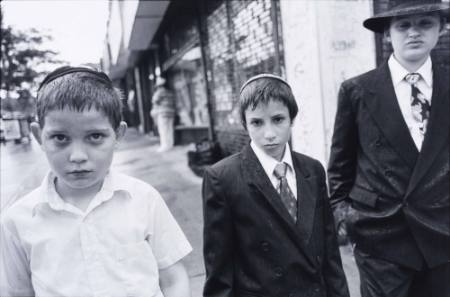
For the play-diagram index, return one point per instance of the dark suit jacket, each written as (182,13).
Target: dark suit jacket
(251,245)
(399,197)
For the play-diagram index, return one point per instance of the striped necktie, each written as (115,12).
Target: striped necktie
(287,197)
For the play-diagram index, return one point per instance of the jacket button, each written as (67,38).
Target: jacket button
(388,173)
(265,246)
(278,272)
(378,143)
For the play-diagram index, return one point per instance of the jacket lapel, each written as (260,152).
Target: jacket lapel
(255,175)
(307,198)
(437,130)
(384,108)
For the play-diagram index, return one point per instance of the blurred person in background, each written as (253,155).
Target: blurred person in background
(163,113)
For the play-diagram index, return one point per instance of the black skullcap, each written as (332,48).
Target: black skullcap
(61,71)
(263,75)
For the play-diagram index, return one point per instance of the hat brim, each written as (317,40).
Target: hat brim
(378,22)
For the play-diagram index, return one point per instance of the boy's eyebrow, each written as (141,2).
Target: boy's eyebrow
(98,130)
(254,118)
(56,131)
(53,131)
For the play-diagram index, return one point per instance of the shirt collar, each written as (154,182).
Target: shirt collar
(111,184)
(268,162)
(398,72)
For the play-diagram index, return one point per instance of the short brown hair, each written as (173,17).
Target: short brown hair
(80,91)
(262,90)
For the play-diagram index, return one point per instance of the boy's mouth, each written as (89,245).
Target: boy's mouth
(271,145)
(79,172)
(414,42)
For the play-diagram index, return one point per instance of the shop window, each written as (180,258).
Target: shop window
(186,79)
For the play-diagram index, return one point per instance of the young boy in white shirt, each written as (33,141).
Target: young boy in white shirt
(87,230)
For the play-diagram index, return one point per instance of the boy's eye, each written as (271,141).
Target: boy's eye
(278,119)
(403,25)
(425,23)
(96,137)
(60,138)
(256,123)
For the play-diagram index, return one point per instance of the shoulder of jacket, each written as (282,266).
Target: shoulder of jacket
(227,163)
(307,160)
(361,79)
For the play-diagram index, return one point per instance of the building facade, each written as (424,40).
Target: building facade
(207,49)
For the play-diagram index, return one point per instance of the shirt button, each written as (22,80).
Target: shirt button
(318,259)
(278,272)
(265,246)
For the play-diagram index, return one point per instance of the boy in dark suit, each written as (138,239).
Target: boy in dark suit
(390,159)
(268,226)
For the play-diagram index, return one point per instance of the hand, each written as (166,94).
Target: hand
(174,281)
(341,214)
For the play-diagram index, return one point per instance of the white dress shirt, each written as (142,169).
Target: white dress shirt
(403,93)
(115,248)
(269,163)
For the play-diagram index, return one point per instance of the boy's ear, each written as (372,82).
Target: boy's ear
(120,132)
(386,35)
(37,132)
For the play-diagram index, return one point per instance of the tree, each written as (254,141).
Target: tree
(21,54)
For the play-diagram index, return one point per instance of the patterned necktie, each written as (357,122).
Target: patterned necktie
(419,104)
(287,197)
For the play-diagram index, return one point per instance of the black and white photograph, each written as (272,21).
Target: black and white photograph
(225,148)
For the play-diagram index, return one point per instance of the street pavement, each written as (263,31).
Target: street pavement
(23,167)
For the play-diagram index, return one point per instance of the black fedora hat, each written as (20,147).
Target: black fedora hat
(398,8)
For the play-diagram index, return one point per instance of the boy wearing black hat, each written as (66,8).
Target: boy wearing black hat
(389,159)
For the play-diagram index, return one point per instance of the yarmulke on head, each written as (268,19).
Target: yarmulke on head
(64,70)
(262,88)
(79,89)
(263,75)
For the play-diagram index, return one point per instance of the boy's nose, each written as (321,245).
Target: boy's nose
(77,154)
(269,134)
(414,31)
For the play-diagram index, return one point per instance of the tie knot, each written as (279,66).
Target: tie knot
(280,170)
(412,78)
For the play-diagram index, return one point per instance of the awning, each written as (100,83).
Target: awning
(149,15)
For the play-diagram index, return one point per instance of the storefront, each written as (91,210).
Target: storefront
(243,40)
(207,49)
(179,59)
